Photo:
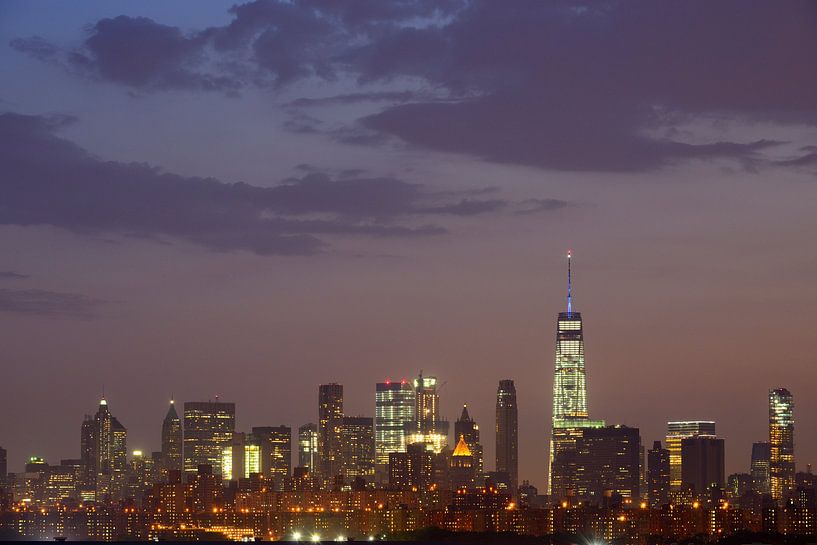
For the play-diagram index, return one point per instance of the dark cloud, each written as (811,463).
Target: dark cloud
(12,275)
(36,46)
(562,85)
(48,180)
(48,303)
(533,206)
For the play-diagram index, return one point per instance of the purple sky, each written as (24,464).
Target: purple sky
(250,200)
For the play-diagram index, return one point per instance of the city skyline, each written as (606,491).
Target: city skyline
(249,200)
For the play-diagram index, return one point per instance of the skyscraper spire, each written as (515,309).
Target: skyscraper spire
(569,296)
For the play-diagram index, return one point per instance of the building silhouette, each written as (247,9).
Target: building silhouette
(759,468)
(466,428)
(276,452)
(507,432)
(781,443)
(357,447)
(208,429)
(658,475)
(172,441)
(702,464)
(606,463)
(678,431)
(330,420)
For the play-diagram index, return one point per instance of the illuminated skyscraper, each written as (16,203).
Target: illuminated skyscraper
(208,429)
(172,440)
(761,478)
(330,420)
(781,443)
(462,472)
(276,451)
(241,458)
(427,427)
(507,432)
(676,433)
(467,429)
(570,414)
(357,447)
(394,410)
(102,439)
(308,447)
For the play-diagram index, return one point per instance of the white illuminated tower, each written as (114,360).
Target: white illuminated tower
(570,414)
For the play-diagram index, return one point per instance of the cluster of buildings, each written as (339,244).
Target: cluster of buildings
(404,470)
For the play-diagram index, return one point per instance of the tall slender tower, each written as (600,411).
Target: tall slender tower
(172,440)
(570,414)
(466,427)
(330,421)
(507,432)
(781,442)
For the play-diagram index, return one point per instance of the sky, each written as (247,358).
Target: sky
(249,200)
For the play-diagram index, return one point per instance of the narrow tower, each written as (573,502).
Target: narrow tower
(507,432)
(570,414)
(172,440)
(781,443)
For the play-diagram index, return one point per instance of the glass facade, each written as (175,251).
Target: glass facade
(676,433)
(330,419)
(781,442)
(308,446)
(394,409)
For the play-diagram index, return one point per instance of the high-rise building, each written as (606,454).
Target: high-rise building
(276,451)
(394,410)
(119,457)
(677,432)
(308,447)
(702,464)
(759,469)
(208,429)
(607,461)
(357,447)
(570,415)
(467,429)
(781,443)
(172,442)
(507,432)
(330,421)
(413,469)
(241,459)
(428,428)
(3,465)
(462,471)
(102,439)
(658,475)
(86,452)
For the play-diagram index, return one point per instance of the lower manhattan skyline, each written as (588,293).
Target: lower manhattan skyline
(514,249)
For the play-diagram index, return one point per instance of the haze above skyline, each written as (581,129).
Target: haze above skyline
(251,200)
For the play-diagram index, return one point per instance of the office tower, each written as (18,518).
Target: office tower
(658,475)
(172,440)
(570,414)
(393,411)
(466,428)
(759,469)
(413,469)
(781,443)
(102,439)
(462,469)
(677,432)
(428,428)
(507,432)
(208,428)
(86,453)
(3,465)
(276,451)
(702,464)
(241,458)
(607,462)
(330,419)
(119,457)
(357,447)
(308,447)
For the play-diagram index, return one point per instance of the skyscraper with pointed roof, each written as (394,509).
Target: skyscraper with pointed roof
(570,415)
(465,427)
(172,440)
(461,466)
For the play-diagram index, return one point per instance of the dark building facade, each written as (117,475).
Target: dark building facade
(702,464)
(276,451)
(507,431)
(357,447)
(761,478)
(330,420)
(607,462)
(658,475)
(172,441)
(466,428)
